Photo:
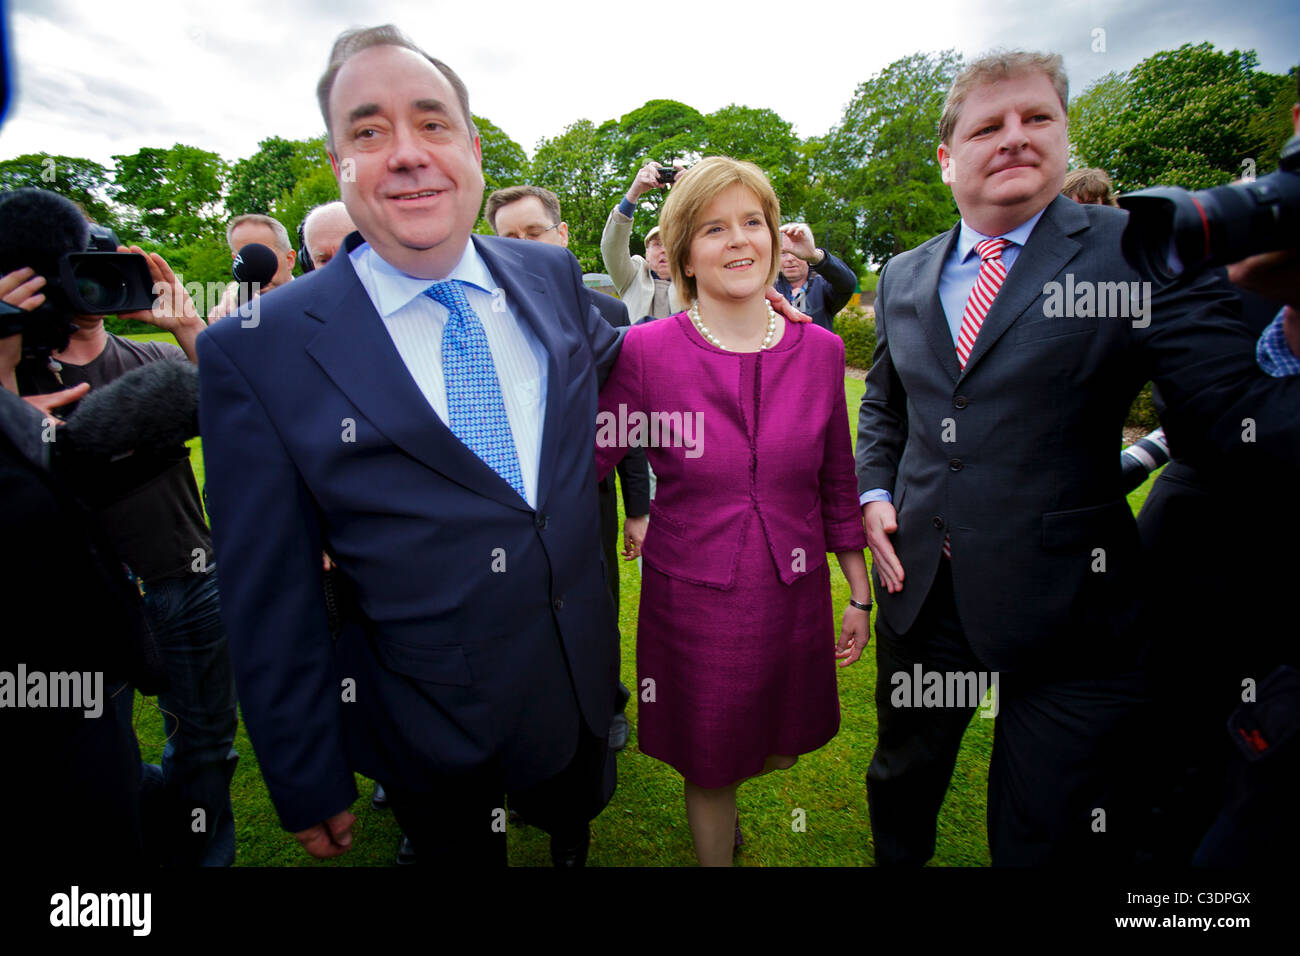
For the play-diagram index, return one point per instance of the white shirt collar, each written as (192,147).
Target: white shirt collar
(391,289)
(970,237)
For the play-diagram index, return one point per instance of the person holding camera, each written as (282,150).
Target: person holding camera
(78,803)
(147,505)
(643,282)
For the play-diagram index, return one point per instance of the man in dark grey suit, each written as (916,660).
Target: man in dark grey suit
(1003,546)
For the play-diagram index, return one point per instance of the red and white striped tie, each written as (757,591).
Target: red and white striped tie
(992,274)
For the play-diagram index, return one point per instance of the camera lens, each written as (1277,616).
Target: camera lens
(100,286)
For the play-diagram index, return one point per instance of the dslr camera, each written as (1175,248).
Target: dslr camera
(1172,231)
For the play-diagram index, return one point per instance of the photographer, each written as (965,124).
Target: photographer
(1217,660)
(642,282)
(80,760)
(146,504)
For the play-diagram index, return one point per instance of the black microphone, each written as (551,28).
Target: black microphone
(254,263)
(155,406)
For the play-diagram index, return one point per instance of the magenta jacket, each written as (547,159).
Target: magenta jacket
(728,433)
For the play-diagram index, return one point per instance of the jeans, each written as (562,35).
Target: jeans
(185,802)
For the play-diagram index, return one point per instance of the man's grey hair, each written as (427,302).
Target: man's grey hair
(996,66)
(352,42)
(323,207)
(277,228)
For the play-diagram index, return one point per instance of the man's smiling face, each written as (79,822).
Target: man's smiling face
(409,170)
(1008,154)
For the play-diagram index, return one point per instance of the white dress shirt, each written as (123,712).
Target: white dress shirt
(416,321)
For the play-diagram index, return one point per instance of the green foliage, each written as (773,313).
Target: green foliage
(858,330)
(260,182)
(1191,117)
(504,161)
(877,170)
(580,167)
(663,130)
(177,192)
(313,187)
(84,181)
(762,137)
(1142,413)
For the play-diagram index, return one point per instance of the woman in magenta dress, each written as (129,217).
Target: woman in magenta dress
(747,429)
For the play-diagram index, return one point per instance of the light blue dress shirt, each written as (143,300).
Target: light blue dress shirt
(415,323)
(960,270)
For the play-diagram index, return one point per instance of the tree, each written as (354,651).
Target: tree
(504,160)
(259,182)
(84,181)
(762,137)
(314,188)
(663,130)
(580,167)
(876,175)
(177,192)
(1192,117)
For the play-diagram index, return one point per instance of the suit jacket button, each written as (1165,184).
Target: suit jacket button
(960,402)
(937,522)
(541,522)
(559,603)
(954,464)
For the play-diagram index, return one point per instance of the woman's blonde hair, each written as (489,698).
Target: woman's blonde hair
(691,194)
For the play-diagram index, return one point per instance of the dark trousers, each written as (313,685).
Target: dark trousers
(1060,753)
(609,547)
(462,823)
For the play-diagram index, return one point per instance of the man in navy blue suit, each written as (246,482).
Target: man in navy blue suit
(422,409)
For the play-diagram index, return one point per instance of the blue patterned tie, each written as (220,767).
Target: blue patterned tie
(475,409)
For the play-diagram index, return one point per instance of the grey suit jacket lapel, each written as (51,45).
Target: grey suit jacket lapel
(1046,252)
(930,306)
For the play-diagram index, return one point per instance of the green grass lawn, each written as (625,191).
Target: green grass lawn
(645,824)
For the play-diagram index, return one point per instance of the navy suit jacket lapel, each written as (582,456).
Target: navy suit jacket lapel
(1046,252)
(531,302)
(355,350)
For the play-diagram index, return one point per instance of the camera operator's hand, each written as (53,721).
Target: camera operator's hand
(173,311)
(646,179)
(22,289)
(19,288)
(45,404)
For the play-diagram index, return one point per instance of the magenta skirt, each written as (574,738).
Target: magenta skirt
(738,675)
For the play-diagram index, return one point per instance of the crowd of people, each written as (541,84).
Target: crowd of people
(409,461)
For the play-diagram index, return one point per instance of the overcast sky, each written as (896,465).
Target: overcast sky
(98,77)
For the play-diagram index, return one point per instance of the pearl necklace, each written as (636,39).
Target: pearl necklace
(713,339)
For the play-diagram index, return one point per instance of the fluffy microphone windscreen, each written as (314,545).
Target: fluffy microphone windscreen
(36,228)
(255,263)
(154,406)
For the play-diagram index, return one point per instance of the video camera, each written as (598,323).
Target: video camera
(1172,231)
(98,280)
